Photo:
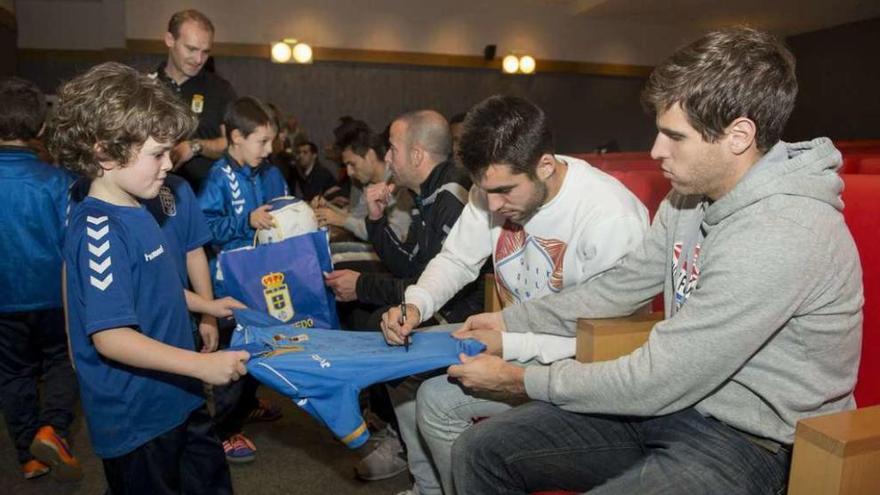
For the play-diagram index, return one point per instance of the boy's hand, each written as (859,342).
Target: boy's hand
(220,368)
(394,331)
(209,333)
(343,283)
(317,202)
(492,339)
(222,308)
(261,219)
(378,196)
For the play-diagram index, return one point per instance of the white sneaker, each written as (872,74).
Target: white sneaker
(412,491)
(385,461)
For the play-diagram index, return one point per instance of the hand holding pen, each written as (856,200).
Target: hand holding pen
(408,338)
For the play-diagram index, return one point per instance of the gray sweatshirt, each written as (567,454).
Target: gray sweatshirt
(763,292)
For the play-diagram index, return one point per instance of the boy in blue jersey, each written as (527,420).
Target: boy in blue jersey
(32,340)
(241,182)
(233,198)
(128,325)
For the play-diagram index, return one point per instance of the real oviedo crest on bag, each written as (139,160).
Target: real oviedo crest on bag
(284,279)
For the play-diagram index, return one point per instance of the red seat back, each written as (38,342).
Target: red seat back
(861,198)
(870,165)
(648,185)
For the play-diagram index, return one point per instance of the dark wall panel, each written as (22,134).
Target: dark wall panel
(585,111)
(839,77)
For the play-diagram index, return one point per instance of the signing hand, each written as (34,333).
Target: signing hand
(327,215)
(343,283)
(261,219)
(394,331)
(489,374)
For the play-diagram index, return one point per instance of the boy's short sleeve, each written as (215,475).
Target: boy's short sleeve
(105,274)
(197,232)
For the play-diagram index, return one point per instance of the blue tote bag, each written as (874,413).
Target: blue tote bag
(284,279)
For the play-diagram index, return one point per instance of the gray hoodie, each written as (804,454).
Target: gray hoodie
(763,292)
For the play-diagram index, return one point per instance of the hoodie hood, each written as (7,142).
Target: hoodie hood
(807,169)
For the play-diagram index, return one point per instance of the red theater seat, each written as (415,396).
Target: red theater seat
(861,198)
(869,165)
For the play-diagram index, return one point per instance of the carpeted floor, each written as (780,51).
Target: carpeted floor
(294,455)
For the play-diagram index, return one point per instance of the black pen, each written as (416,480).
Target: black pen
(401,321)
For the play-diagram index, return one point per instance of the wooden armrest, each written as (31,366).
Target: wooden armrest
(609,338)
(491,301)
(837,453)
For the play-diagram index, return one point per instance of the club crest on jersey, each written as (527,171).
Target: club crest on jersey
(198,103)
(166,199)
(278,301)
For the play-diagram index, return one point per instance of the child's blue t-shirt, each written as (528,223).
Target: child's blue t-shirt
(177,212)
(323,371)
(121,273)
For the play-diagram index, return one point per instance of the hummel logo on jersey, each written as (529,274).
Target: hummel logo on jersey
(155,253)
(234,189)
(97,250)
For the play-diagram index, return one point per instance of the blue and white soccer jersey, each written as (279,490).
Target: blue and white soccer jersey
(177,212)
(121,273)
(323,371)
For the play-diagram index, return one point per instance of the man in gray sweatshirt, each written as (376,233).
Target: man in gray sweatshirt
(763,292)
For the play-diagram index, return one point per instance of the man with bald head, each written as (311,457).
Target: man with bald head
(419,158)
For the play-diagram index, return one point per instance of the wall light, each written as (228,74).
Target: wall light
(516,64)
(291,50)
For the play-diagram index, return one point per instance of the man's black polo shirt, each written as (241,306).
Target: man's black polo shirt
(207,95)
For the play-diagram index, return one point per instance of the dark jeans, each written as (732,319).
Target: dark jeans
(235,401)
(186,460)
(33,344)
(538,446)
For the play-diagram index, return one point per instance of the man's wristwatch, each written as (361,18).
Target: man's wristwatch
(196,146)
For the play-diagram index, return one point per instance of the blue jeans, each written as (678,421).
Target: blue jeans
(538,446)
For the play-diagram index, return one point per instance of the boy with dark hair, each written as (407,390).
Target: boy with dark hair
(763,301)
(234,198)
(241,182)
(140,378)
(32,340)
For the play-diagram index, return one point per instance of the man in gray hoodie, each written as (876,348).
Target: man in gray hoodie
(763,292)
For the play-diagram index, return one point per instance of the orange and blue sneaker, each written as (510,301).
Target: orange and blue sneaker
(49,448)
(34,469)
(239,449)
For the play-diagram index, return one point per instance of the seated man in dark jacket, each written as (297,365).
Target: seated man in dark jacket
(418,155)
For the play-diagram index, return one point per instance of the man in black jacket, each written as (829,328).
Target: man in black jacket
(420,145)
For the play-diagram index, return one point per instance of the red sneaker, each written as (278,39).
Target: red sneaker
(49,448)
